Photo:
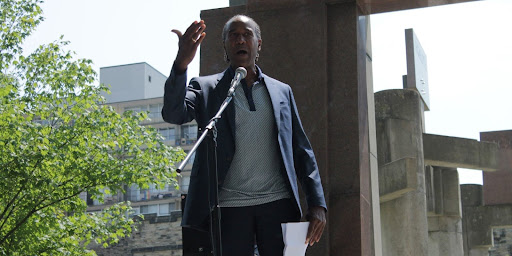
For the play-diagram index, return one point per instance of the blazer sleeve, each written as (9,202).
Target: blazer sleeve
(305,161)
(180,100)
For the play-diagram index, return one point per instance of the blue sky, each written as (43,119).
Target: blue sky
(468,48)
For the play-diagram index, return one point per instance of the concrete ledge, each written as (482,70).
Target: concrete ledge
(397,178)
(455,152)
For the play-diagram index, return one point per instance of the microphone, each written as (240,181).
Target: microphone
(240,74)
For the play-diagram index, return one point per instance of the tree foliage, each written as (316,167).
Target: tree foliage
(57,140)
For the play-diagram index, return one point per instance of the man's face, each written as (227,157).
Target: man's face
(242,44)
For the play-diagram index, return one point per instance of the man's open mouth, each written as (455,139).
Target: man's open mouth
(241,52)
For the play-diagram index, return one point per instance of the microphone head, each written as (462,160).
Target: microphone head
(242,71)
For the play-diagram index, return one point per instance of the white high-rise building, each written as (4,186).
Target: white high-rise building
(140,87)
(132,82)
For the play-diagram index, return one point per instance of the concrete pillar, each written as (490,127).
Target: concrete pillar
(399,136)
(477,239)
(445,221)
(325,61)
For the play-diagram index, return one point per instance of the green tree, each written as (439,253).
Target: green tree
(57,140)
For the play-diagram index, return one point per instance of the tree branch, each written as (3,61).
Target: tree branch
(18,225)
(9,205)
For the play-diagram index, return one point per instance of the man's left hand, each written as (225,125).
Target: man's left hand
(317,221)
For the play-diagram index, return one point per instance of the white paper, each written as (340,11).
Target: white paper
(294,237)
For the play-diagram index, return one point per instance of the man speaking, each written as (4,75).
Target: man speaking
(262,153)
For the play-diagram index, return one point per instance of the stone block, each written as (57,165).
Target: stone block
(399,129)
(445,236)
(397,178)
(404,225)
(442,243)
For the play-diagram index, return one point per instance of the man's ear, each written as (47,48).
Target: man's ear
(259,45)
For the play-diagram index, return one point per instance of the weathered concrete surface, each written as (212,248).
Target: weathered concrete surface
(399,136)
(445,195)
(480,219)
(445,236)
(445,218)
(455,152)
(397,178)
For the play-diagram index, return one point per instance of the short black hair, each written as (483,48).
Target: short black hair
(238,17)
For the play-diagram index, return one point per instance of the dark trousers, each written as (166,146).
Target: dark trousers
(241,227)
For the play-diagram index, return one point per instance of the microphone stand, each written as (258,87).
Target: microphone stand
(213,188)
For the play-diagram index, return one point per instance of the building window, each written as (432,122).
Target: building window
(149,79)
(155,111)
(185,181)
(135,194)
(159,209)
(188,134)
(163,209)
(148,209)
(109,197)
(135,211)
(168,133)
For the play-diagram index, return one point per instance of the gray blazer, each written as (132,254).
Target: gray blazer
(201,100)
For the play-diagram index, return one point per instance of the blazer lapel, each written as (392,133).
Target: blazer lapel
(221,93)
(273,91)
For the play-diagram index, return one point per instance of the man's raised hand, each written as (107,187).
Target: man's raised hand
(188,44)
